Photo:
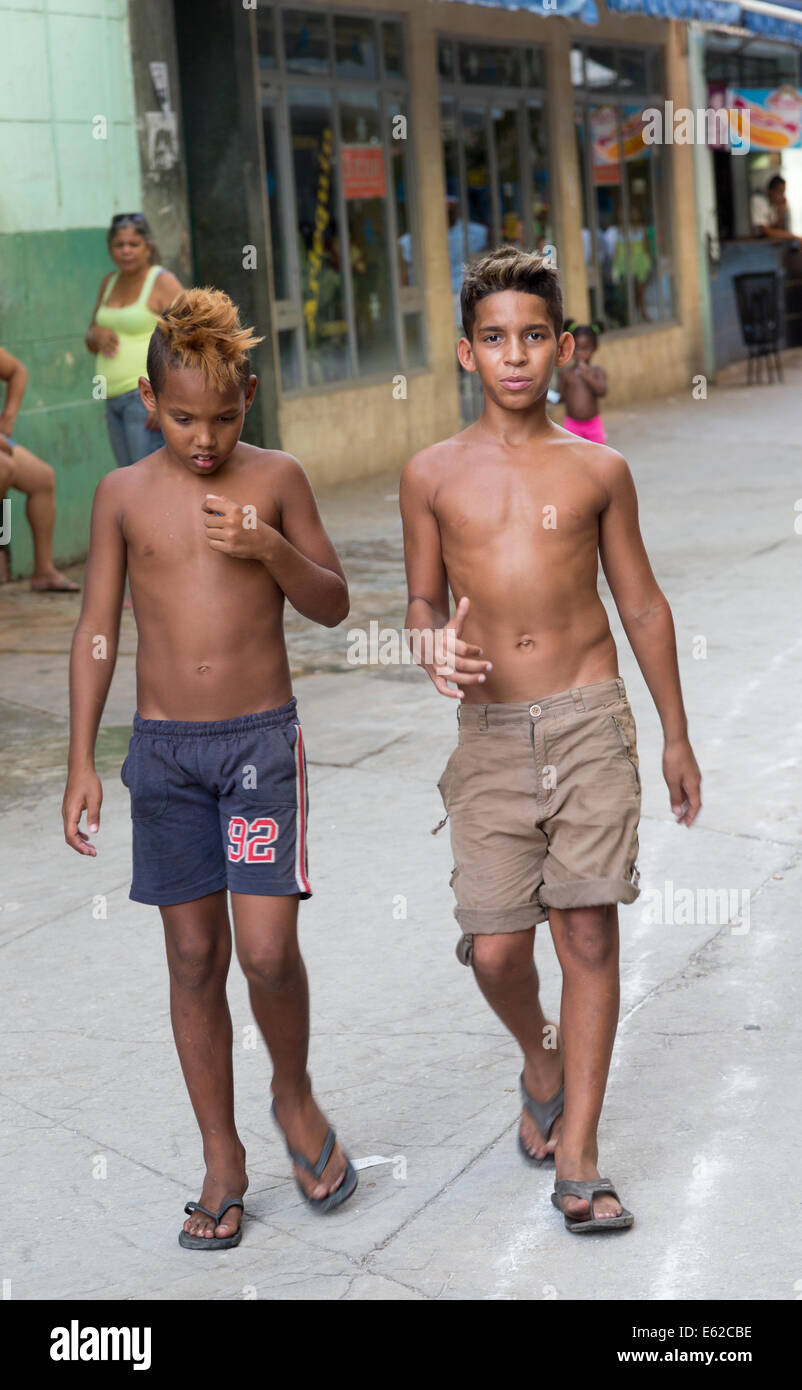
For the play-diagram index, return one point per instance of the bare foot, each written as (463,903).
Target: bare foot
(576,1207)
(222,1182)
(305,1128)
(543,1077)
(53,582)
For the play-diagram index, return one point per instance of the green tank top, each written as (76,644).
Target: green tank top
(133,324)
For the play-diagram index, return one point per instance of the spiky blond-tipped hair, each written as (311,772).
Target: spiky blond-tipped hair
(508,268)
(201,328)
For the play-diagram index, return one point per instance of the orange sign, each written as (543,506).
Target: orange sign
(363,171)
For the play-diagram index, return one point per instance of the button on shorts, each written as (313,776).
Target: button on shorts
(543,802)
(216,804)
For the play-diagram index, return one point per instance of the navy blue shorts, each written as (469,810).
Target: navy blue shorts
(216,804)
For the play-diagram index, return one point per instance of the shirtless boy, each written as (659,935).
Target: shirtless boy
(543,790)
(214,533)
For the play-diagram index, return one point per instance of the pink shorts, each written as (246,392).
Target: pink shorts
(592,429)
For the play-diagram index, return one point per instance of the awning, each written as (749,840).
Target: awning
(585,10)
(766,19)
(763,17)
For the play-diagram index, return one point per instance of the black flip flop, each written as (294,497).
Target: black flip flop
(588,1191)
(544,1113)
(211,1242)
(347,1186)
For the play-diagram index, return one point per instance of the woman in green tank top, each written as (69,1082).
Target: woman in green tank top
(127,307)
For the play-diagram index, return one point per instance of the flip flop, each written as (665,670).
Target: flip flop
(211,1242)
(588,1191)
(57,586)
(544,1113)
(347,1186)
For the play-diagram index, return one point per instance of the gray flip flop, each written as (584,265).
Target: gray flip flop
(544,1113)
(347,1186)
(211,1242)
(587,1192)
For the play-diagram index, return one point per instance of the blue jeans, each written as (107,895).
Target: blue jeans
(125,417)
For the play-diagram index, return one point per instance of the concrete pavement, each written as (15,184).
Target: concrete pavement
(701,1128)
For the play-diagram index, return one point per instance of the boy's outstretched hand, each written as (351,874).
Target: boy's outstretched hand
(454,659)
(684,781)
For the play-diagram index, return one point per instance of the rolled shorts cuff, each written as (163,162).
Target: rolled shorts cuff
(492,920)
(589,892)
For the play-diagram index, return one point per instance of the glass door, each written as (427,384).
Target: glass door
(484,146)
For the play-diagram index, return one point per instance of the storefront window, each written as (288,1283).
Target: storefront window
(347,282)
(538,179)
(306,41)
(320,249)
(406,245)
(365,194)
(495,151)
(624,204)
(750,63)
(355,47)
(490,65)
(495,157)
(266,27)
(446,59)
(766,76)
(393,49)
(413,329)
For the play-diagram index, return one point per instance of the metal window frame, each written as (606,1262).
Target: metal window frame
(408,299)
(275,85)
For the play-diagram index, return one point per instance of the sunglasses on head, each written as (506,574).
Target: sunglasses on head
(135,217)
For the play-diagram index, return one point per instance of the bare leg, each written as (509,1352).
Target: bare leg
(586,942)
(505,971)
(6,480)
(37,480)
(266,934)
(198,940)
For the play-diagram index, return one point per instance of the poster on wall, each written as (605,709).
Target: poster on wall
(609,152)
(363,171)
(775,115)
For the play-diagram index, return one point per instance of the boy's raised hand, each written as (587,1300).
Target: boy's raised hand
(455,659)
(684,781)
(82,793)
(232,528)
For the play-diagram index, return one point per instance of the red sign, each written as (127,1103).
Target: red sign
(363,171)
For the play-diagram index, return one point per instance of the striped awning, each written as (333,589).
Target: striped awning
(585,10)
(763,17)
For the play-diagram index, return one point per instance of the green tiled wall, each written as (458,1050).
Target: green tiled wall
(64,64)
(48,284)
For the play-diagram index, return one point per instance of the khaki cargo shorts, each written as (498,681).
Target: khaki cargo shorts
(543,802)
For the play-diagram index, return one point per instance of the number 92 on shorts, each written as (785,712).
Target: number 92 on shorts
(216,804)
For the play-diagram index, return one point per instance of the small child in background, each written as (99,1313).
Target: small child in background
(582,385)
